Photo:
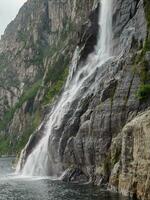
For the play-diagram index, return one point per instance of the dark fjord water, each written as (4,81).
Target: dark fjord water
(16,188)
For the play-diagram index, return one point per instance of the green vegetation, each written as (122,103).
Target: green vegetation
(34,120)
(144,89)
(107,166)
(146,45)
(5,145)
(40,54)
(6,119)
(28,95)
(116,156)
(147,14)
(58,70)
(3,61)
(56,75)
(53,91)
(147,11)
(143,70)
(22,37)
(9,144)
(23,139)
(144,92)
(68,28)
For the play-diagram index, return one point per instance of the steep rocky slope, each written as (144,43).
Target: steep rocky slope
(35,53)
(100,137)
(131,173)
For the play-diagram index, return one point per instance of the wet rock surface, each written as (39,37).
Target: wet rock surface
(90,144)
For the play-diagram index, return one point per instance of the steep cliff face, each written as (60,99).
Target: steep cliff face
(35,53)
(86,143)
(136,162)
(131,173)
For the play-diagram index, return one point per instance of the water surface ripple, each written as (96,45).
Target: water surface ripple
(38,188)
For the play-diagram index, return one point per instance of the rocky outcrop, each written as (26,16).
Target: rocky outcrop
(131,174)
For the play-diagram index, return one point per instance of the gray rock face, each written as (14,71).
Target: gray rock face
(90,142)
(131,174)
(113,103)
(32,44)
(128,23)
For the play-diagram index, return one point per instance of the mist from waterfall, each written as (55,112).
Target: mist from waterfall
(40,161)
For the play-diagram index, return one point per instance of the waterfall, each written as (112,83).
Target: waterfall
(40,161)
(105,34)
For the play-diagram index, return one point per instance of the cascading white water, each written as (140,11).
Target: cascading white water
(105,34)
(40,161)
